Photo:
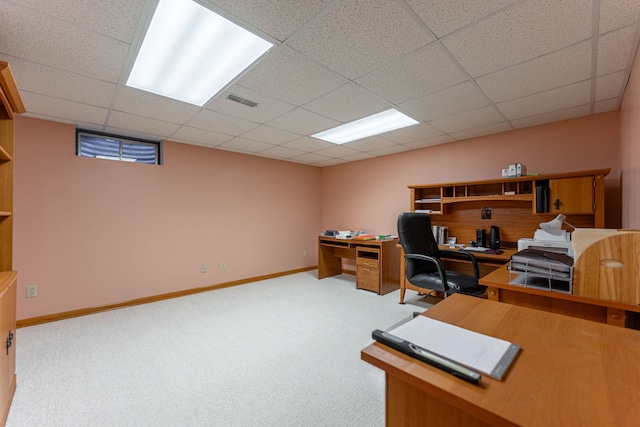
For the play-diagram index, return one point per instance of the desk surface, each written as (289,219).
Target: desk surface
(499,278)
(569,372)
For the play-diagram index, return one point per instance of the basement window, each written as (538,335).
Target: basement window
(113,147)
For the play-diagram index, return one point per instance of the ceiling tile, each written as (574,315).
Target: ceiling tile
(244,145)
(308,144)
(55,108)
(469,120)
(328,162)
(398,148)
(450,101)
(274,17)
(303,122)
(616,14)
(554,116)
(420,73)
(355,36)
(547,102)
(217,122)
(560,68)
(483,131)
(280,152)
(446,16)
(371,143)
(610,86)
(117,19)
(142,124)
(442,139)
(412,133)
(519,33)
(607,105)
(199,136)
(615,50)
(311,158)
(270,135)
(33,77)
(133,134)
(347,103)
(34,36)
(268,108)
(337,151)
(289,76)
(147,104)
(356,157)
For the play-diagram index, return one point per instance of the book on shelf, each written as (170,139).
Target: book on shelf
(440,233)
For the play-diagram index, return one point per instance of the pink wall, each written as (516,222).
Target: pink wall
(370,194)
(630,149)
(94,232)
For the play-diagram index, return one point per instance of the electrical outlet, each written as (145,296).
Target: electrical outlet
(203,268)
(304,253)
(223,265)
(32,291)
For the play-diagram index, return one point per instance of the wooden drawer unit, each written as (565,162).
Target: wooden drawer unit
(368,269)
(377,261)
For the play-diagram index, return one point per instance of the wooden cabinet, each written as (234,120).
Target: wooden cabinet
(516,205)
(7,337)
(10,104)
(368,269)
(572,195)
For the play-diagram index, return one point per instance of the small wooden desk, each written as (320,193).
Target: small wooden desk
(569,372)
(377,261)
(599,310)
(486,264)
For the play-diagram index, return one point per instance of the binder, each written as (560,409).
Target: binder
(542,199)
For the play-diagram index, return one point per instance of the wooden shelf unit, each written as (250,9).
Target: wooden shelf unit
(10,105)
(514,203)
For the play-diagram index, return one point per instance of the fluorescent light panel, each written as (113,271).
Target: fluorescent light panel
(373,125)
(190,53)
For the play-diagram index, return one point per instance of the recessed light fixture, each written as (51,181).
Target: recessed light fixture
(190,53)
(373,125)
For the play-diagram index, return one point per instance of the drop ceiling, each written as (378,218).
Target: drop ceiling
(462,68)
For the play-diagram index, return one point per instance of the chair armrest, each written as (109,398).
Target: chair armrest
(433,260)
(464,256)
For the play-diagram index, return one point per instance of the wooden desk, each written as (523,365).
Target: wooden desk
(570,372)
(486,264)
(599,310)
(377,262)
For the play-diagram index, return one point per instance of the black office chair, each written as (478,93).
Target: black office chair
(423,265)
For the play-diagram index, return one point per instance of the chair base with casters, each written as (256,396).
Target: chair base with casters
(424,267)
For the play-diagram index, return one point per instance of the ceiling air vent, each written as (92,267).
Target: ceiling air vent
(241,100)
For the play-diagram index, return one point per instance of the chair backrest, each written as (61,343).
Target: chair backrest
(416,237)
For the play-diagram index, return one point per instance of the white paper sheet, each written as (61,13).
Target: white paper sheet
(471,349)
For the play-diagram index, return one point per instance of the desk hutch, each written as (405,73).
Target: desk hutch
(10,104)
(516,205)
